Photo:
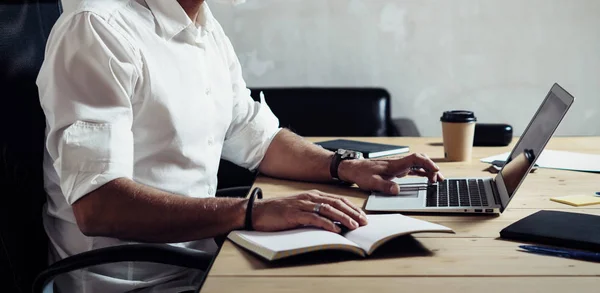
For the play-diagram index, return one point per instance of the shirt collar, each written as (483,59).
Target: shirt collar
(172,18)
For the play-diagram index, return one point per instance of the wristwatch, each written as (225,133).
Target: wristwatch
(339,156)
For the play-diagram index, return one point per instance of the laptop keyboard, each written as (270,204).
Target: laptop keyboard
(457,193)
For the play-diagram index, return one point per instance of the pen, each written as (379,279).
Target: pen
(563,252)
(598,193)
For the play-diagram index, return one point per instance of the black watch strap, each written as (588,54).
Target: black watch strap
(335,164)
(339,156)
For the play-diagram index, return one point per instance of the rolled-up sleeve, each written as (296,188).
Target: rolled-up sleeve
(86,86)
(253,125)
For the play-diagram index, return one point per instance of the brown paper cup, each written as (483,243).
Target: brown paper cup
(458,140)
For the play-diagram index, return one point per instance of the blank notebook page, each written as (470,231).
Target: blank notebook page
(383,226)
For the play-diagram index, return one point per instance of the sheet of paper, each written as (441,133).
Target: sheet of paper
(563,160)
(500,157)
(577,200)
(569,161)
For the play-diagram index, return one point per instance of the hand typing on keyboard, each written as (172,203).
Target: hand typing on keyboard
(377,174)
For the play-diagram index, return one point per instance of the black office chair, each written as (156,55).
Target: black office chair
(24,28)
(233,177)
(331,111)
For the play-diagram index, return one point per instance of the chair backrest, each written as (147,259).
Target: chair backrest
(24,28)
(331,111)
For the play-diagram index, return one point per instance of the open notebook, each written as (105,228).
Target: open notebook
(362,241)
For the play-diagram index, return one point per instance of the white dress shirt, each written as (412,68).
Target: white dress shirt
(135,89)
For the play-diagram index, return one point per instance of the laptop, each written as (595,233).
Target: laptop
(481,195)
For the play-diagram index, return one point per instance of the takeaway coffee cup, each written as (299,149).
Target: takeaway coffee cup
(458,129)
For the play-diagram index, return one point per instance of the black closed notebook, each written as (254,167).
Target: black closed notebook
(564,229)
(368,149)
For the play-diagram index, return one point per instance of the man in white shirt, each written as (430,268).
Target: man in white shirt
(142,99)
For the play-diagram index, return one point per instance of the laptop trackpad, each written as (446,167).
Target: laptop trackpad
(410,186)
(411,180)
(407,193)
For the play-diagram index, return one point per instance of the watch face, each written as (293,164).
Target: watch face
(348,154)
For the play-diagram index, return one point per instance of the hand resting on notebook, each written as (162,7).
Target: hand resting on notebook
(298,210)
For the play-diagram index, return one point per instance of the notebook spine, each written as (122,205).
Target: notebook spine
(550,241)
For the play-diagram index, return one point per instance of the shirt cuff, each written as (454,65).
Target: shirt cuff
(248,146)
(91,155)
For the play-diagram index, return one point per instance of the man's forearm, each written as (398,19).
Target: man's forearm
(131,211)
(292,157)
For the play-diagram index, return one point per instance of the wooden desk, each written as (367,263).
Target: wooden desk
(472,260)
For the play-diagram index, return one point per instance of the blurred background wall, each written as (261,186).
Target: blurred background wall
(498,58)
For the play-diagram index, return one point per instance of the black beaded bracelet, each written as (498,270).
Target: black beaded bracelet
(256,192)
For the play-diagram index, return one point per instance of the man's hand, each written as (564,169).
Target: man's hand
(377,174)
(296,211)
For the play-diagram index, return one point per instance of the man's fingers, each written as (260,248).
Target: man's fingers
(433,177)
(419,172)
(313,219)
(401,174)
(335,214)
(415,160)
(346,201)
(423,161)
(382,185)
(419,161)
(335,210)
(440,176)
(338,210)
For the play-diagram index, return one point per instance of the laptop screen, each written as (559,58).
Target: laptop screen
(534,139)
